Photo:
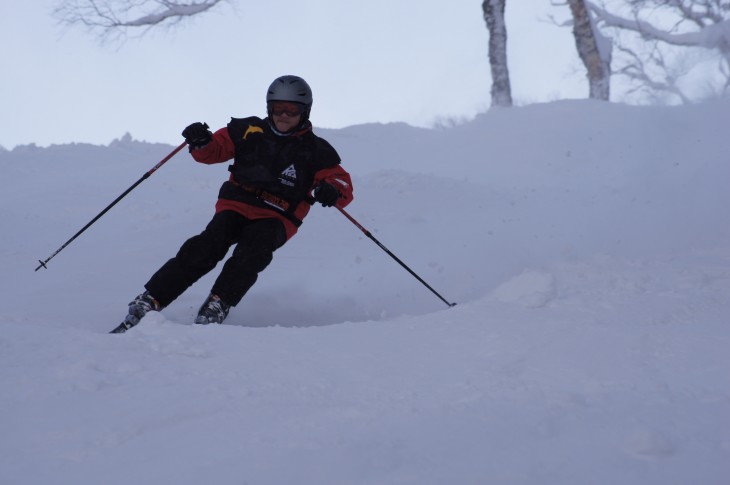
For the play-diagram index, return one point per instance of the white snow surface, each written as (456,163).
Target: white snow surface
(586,244)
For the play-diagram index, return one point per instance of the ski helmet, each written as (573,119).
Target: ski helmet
(292,89)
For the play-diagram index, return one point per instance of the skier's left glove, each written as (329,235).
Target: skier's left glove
(326,194)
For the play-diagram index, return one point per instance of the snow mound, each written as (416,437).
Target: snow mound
(531,289)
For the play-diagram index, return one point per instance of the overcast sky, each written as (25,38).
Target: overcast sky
(377,61)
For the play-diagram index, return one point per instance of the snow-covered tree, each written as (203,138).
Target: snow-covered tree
(494,17)
(114,18)
(593,48)
(659,42)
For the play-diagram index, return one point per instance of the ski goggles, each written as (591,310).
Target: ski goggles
(278,108)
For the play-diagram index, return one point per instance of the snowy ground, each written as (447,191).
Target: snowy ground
(587,246)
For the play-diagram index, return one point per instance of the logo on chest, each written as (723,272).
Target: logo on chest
(288,176)
(252,129)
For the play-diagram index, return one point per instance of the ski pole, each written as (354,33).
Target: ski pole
(368,234)
(145,176)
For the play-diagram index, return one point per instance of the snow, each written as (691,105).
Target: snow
(587,245)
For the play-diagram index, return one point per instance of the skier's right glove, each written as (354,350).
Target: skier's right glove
(197,135)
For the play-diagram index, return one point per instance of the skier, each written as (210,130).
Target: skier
(280,167)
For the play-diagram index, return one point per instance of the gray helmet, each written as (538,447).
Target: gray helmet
(290,88)
(293,89)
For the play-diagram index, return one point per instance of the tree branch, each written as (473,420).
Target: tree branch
(675,26)
(114,17)
(713,36)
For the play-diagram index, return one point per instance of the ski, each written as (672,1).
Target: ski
(129,322)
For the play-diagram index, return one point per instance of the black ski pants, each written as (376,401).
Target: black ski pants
(255,240)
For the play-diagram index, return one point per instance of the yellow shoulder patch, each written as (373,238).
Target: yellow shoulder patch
(252,129)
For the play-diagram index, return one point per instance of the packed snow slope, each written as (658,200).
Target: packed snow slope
(586,244)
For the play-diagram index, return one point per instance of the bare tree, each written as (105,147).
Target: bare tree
(594,50)
(113,18)
(494,17)
(665,27)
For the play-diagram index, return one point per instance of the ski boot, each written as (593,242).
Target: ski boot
(138,308)
(214,310)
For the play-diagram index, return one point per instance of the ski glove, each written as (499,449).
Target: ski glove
(326,193)
(197,135)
